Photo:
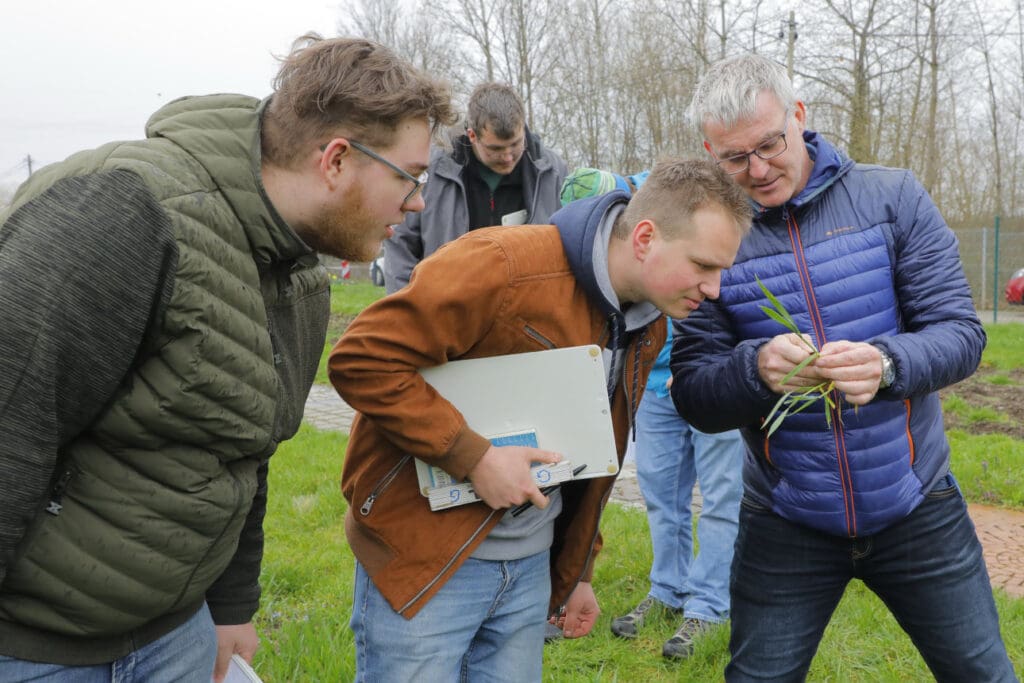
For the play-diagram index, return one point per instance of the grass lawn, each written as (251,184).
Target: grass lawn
(308,568)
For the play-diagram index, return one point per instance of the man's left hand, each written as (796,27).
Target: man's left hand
(240,638)
(581,612)
(855,367)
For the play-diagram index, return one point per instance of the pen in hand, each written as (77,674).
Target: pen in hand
(547,490)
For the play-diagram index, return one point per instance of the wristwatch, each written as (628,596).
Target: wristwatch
(888,370)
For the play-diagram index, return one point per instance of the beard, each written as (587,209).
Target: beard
(352,233)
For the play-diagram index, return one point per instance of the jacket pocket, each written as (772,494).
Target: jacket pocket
(367,505)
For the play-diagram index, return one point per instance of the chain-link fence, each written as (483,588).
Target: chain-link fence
(990,258)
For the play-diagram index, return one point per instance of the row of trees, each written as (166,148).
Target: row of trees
(932,85)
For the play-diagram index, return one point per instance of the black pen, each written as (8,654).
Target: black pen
(520,509)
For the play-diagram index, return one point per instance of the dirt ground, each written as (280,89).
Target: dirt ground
(980,392)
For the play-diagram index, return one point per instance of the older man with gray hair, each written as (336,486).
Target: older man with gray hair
(857,487)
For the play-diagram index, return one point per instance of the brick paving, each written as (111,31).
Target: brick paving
(1001,531)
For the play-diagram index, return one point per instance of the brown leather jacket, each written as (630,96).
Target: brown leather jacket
(495,291)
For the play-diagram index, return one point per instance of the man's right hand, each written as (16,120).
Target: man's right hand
(778,357)
(502,478)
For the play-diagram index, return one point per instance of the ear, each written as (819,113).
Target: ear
(800,112)
(642,238)
(334,159)
(471,134)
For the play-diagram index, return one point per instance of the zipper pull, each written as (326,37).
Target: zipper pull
(368,505)
(54,507)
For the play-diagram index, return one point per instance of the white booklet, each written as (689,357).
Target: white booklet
(239,671)
(556,400)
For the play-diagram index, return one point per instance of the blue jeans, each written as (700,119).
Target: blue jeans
(670,456)
(485,624)
(185,655)
(927,568)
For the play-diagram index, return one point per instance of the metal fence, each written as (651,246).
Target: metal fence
(991,254)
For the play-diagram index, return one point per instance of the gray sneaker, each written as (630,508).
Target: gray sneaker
(628,625)
(680,646)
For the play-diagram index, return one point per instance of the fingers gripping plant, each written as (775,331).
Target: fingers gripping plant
(793,402)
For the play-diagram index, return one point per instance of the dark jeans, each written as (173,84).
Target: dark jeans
(928,569)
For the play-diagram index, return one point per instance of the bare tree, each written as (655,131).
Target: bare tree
(932,85)
(474,21)
(411,31)
(856,74)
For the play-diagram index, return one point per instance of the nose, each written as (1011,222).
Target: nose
(711,287)
(757,167)
(415,204)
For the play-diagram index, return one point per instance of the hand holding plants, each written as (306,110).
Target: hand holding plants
(791,355)
(791,365)
(855,368)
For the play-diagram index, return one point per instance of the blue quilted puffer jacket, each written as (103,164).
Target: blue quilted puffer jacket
(861,254)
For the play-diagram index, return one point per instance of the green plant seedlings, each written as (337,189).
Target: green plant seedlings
(793,402)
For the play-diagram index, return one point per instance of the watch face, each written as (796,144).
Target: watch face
(888,371)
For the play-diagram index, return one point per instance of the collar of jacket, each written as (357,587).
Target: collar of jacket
(579,225)
(222,132)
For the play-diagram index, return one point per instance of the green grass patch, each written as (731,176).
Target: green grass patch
(955,405)
(308,571)
(307,565)
(989,467)
(1000,379)
(347,300)
(1005,349)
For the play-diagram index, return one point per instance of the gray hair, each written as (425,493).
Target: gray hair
(728,91)
(495,106)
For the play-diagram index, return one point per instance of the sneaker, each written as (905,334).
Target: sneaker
(680,646)
(627,626)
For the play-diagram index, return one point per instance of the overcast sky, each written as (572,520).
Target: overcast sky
(77,73)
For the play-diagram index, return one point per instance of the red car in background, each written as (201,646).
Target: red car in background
(1015,288)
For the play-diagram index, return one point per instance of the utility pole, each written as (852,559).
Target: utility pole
(28,161)
(789,44)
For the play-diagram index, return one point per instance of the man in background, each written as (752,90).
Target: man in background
(162,315)
(498,173)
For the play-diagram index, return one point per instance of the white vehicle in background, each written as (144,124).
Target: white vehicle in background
(377,271)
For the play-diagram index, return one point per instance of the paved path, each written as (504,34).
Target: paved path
(1001,531)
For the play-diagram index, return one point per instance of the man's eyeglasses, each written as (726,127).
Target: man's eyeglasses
(769,149)
(417,182)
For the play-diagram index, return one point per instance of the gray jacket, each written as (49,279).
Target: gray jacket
(446,216)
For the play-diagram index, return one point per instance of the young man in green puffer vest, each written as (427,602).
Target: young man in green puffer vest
(162,315)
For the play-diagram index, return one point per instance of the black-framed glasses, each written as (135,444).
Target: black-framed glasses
(769,149)
(417,182)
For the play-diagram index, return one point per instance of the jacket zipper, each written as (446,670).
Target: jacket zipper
(57,494)
(631,392)
(448,564)
(845,478)
(367,505)
(537,336)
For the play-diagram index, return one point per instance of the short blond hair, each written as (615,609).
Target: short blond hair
(675,189)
